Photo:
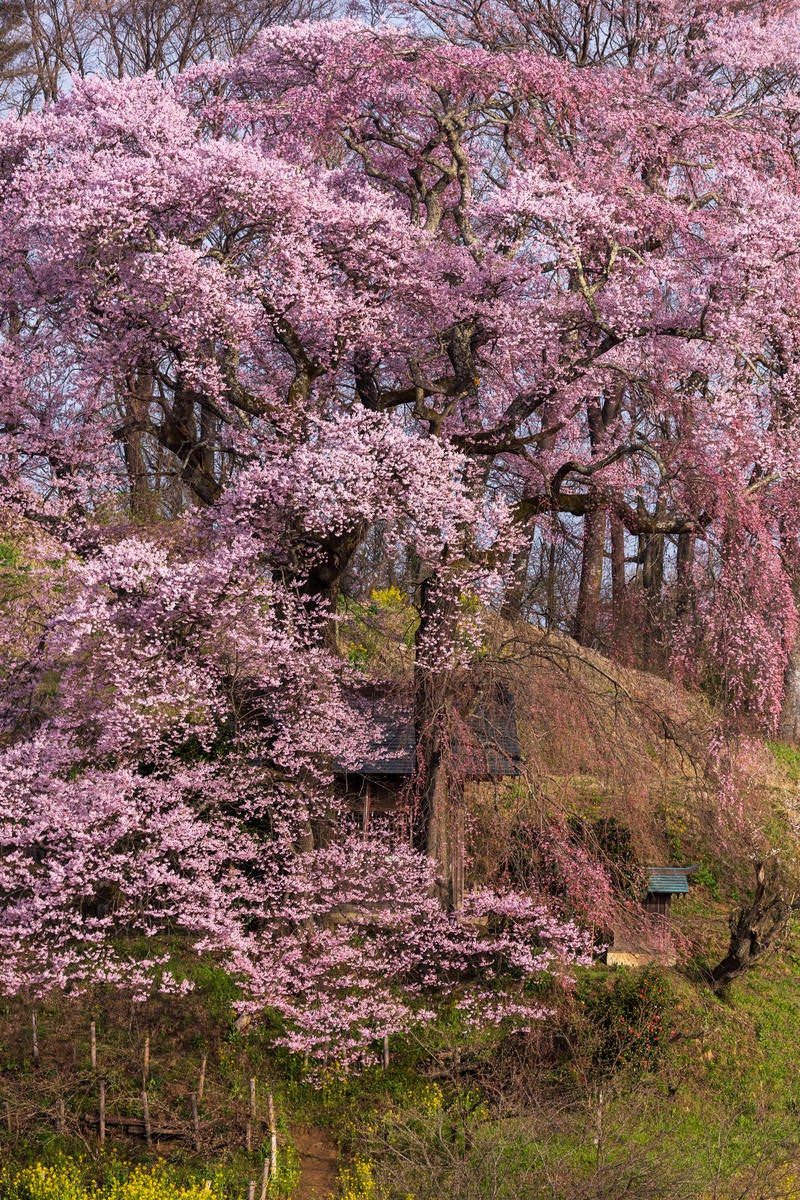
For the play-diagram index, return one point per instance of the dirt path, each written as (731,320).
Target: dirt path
(318,1162)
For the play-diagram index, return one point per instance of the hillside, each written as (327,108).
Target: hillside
(605,740)
(640,1083)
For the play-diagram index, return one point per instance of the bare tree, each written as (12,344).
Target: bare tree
(757,926)
(14,45)
(56,39)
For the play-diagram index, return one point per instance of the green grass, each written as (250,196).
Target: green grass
(787,757)
(580,1115)
(721,1098)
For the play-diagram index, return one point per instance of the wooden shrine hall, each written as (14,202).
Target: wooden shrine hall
(488,748)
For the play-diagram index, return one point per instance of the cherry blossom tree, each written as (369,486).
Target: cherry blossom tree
(624,358)
(454,287)
(151,798)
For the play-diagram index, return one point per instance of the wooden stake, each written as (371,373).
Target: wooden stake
(93,1045)
(195,1121)
(273,1140)
(60,1122)
(148,1132)
(251,1190)
(146,1062)
(7,1110)
(102,1112)
(202,1080)
(386,1052)
(35,1031)
(264,1179)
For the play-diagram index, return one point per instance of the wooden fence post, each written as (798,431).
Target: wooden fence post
(273,1139)
(102,1122)
(264,1180)
(201,1083)
(148,1132)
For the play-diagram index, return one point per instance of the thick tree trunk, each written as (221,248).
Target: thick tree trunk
(179,433)
(136,468)
(584,629)
(685,563)
(442,819)
(437,818)
(653,569)
(514,595)
(333,557)
(789,726)
(137,405)
(755,927)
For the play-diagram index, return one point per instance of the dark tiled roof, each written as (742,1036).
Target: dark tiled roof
(493,726)
(670,881)
(488,742)
(391,750)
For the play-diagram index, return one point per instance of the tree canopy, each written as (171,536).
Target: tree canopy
(475,285)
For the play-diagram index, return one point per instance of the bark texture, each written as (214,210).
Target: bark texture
(757,926)
(438,819)
(588,608)
(789,727)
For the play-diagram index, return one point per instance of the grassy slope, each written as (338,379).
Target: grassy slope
(712,1112)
